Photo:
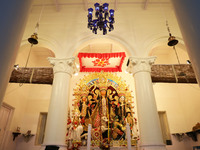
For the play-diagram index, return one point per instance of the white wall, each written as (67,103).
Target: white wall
(28,100)
(180,101)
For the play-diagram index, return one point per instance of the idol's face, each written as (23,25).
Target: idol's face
(122,98)
(84,98)
(103,92)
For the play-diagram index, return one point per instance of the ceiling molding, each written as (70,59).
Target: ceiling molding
(115,3)
(85,5)
(146,4)
(57,5)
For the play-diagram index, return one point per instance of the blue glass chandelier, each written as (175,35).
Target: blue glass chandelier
(103,21)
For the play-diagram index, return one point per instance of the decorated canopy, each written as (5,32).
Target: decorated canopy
(97,62)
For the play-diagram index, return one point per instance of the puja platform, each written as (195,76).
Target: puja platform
(111,148)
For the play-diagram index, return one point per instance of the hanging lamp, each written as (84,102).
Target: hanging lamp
(172,41)
(33,40)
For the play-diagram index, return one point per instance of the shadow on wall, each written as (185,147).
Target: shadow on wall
(185,143)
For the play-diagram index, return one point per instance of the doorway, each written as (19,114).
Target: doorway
(6,112)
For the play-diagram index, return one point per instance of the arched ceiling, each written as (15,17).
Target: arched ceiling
(139,26)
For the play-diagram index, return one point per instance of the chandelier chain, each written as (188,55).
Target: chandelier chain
(28,56)
(22,78)
(176,55)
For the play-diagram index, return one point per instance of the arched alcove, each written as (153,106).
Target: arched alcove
(38,56)
(167,55)
(102,45)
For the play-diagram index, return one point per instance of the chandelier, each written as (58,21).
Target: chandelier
(103,20)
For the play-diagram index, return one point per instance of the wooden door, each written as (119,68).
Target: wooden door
(5,116)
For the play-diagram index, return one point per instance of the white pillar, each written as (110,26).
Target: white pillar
(55,133)
(149,125)
(14,14)
(187,13)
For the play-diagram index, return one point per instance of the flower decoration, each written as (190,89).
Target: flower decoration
(101,62)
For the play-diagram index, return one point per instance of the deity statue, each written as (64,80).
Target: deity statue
(95,116)
(127,108)
(96,95)
(129,119)
(104,127)
(91,104)
(122,91)
(118,129)
(83,105)
(103,103)
(69,124)
(132,122)
(110,94)
(76,129)
(114,107)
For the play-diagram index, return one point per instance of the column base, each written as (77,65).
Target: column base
(152,147)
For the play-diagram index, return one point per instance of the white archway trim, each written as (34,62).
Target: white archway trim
(98,38)
(163,41)
(47,42)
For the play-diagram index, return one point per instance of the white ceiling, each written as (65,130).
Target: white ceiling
(140,27)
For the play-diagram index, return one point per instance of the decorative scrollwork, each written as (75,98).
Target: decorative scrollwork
(66,65)
(140,64)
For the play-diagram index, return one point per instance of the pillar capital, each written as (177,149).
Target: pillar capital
(139,64)
(64,65)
